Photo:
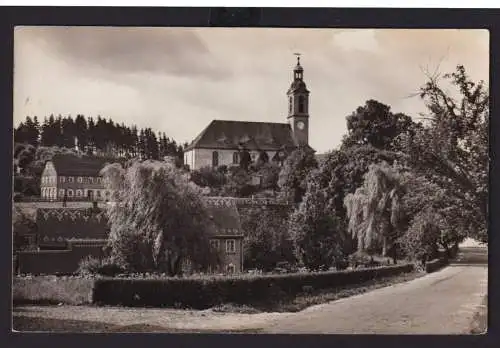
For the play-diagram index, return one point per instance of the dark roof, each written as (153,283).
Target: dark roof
(298,85)
(225,219)
(221,134)
(72,165)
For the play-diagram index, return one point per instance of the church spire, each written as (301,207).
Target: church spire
(298,105)
(298,71)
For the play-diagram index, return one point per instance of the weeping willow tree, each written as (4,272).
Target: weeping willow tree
(157,219)
(374,211)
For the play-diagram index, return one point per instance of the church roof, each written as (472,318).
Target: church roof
(221,134)
(73,165)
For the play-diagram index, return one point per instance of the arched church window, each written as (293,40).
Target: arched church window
(215,159)
(301,103)
(290,105)
(236,158)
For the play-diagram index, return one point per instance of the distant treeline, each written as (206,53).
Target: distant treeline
(96,136)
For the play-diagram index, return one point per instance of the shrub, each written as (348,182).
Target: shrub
(207,292)
(436,264)
(94,266)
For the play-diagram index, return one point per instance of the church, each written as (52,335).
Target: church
(223,141)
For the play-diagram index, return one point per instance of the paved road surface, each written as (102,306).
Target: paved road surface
(439,303)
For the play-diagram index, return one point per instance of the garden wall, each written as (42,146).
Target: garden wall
(56,261)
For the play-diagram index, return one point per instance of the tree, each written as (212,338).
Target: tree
(266,238)
(315,229)
(292,177)
(374,211)
(157,208)
(376,125)
(208,177)
(238,183)
(420,241)
(269,173)
(452,150)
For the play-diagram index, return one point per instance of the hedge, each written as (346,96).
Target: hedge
(202,293)
(436,264)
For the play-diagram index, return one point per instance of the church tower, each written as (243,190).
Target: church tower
(298,106)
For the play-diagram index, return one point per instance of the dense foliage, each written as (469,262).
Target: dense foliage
(400,187)
(292,177)
(266,237)
(101,136)
(158,219)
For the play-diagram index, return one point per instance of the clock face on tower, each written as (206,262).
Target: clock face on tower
(300,125)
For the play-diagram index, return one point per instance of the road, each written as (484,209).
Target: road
(443,302)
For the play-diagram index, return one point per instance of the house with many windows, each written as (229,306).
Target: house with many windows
(74,177)
(223,142)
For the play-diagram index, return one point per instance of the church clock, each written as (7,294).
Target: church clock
(300,125)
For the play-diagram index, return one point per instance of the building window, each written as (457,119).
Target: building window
(230,246)
(79,193)
(214,244)
(71,179)
(80,180)
(91,180)
(99,180)
(236,158)
(61,192)
(290,105)
(98,193)
(70,193)
(231,268)
(301,103)
(62,179)
(215,159)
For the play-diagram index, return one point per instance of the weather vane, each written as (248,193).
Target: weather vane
(298,57)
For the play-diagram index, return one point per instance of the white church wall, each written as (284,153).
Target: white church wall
(198,158)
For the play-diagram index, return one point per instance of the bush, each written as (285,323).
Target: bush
(202,293)
(436,264)
(94,266)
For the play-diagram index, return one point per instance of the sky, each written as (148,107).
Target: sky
(177,80)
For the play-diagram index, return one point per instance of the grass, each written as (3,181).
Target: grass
(479,324)
(52,290)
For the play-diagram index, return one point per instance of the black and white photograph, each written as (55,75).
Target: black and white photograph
(250,180)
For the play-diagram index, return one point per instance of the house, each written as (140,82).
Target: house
(74,177)
(223,142)
(226,235)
